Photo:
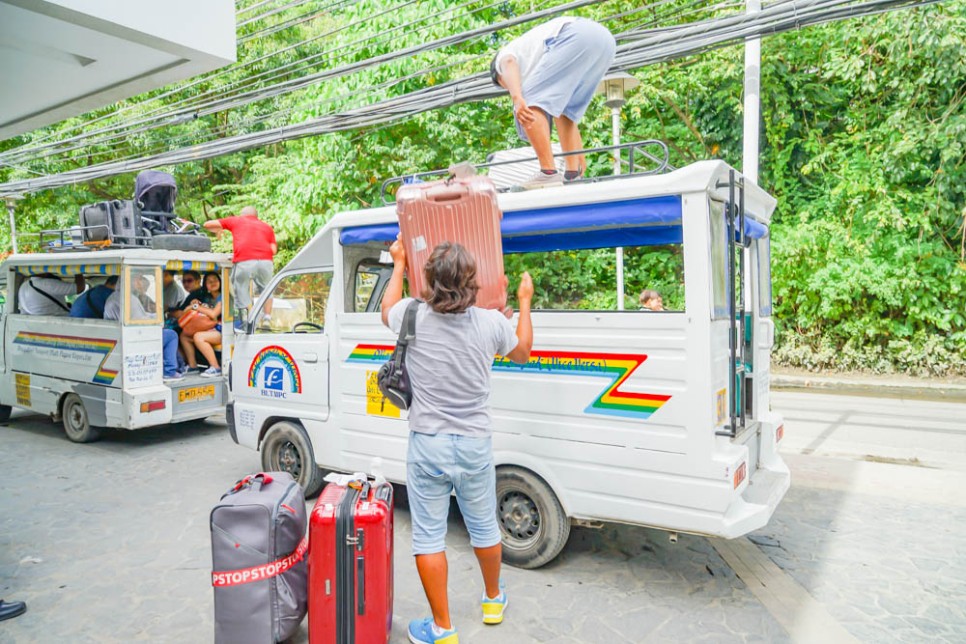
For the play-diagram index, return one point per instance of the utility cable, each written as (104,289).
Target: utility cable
(18,154)
(478,87)
(302,82)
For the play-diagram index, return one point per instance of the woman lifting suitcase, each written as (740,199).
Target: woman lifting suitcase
(450,446)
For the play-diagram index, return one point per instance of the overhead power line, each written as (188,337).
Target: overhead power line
(284,87)
(221,130)
(642,49)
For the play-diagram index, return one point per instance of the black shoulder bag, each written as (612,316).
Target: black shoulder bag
(393,379)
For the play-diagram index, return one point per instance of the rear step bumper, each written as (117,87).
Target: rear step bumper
(758,501)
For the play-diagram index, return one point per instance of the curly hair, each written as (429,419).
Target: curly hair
(451,284)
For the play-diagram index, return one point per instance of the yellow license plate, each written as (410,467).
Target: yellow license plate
(196,394)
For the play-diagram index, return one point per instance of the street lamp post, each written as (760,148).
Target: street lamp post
(11,206)
(614,87)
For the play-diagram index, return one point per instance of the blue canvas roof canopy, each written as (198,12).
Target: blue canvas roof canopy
(636,222)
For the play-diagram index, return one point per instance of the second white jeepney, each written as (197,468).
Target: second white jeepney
(96,373)
(650,418)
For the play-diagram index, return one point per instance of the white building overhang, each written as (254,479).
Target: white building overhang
(62,58)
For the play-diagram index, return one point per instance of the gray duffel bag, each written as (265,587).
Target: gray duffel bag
(258,548)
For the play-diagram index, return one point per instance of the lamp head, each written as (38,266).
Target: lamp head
(615,86)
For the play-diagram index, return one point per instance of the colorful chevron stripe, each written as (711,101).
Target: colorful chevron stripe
(615,366)
(104,347)
(371,353)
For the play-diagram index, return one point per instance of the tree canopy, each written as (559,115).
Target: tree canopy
(863,144)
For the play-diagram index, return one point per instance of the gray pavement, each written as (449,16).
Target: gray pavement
(109,542)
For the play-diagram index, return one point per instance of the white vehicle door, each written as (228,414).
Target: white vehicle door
(282,367)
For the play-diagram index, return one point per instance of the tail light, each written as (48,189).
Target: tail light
(153,405)
(779,433)
(740,474)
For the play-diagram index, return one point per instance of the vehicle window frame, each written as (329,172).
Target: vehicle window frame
(126,283)
(765,294)
(281,280)
(719,270)
(383,274)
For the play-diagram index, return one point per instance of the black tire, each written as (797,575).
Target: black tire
(194,243)
(77,424)
(286,448)
(5,413)
(533,523)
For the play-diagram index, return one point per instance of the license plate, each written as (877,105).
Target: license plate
(196,394)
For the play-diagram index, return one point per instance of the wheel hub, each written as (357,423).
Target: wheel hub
(288,459)
(519,516)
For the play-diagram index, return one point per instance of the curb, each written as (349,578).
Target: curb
(924,390)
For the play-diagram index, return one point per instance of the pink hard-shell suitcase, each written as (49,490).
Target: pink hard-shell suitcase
(462,210)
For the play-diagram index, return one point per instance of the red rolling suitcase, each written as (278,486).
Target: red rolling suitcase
(462,210)
(350,564)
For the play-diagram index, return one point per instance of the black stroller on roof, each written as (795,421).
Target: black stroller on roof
(155,193)
(147,220)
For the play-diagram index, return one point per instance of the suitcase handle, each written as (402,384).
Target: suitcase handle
(251,480)
(448,192)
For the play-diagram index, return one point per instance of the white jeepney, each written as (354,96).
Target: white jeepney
(94,373)
(638,417)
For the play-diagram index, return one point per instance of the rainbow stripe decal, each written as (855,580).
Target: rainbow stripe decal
(617,367)
(54,347)
(275,362)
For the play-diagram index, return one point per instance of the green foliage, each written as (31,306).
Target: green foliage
(864,145)
(587,279)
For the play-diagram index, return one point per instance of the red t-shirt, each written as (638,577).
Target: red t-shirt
(251,239)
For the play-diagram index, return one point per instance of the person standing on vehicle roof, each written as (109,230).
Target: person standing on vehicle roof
(450,448)
(254,246)
(47,295)
(552,72)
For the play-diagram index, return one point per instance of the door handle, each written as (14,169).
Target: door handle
(310,357)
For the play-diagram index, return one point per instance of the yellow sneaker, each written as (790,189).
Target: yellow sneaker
(493,607)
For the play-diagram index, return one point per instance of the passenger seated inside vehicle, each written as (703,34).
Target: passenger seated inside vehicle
(169,338)
(172,293)
(47,295)
(208,306)
(141,286)
(651,300)
(90,303)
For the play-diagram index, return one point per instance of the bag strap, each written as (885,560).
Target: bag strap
(98,310)
(406,334)
(50,297)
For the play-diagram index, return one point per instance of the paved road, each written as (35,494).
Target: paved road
(109,542)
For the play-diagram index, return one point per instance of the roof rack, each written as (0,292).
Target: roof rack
(654,153)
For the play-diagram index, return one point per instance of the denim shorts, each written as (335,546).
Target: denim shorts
(567,75)
(438,465)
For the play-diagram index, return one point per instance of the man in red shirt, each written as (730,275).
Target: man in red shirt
(253,243)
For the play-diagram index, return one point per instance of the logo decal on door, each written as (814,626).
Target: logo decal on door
(275,373)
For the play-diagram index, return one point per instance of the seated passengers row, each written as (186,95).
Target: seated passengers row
(47,295)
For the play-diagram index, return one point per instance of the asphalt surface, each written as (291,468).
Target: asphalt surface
(109,542)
